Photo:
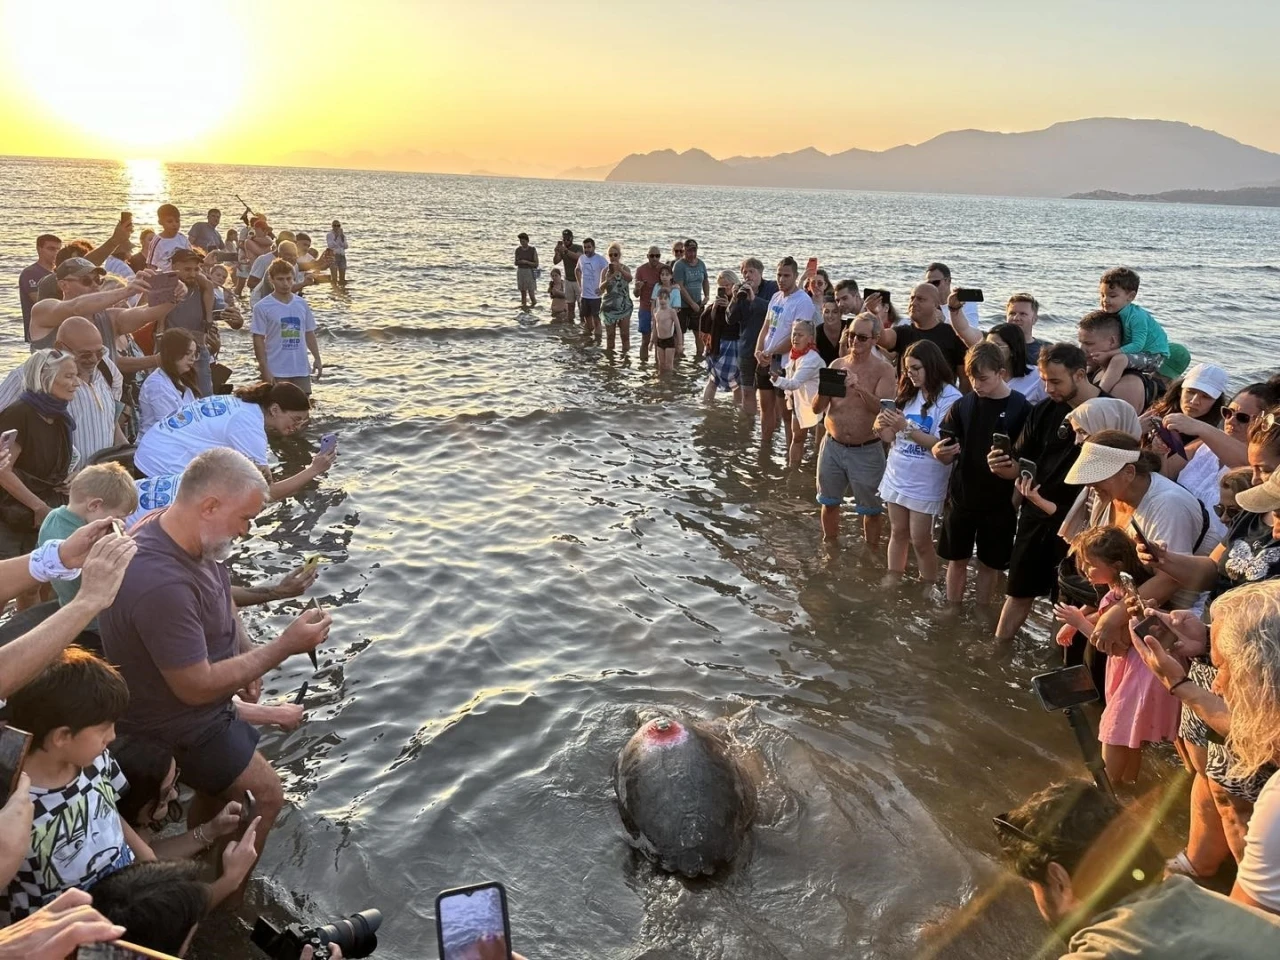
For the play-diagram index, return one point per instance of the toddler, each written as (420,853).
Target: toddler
(1139,709)
(1144,345)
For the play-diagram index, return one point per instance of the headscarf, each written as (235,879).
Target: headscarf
(1100,413)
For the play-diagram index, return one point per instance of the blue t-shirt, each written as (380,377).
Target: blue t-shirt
(692,277)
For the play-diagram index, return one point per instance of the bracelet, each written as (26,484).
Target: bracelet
(201,839)
(1186,679)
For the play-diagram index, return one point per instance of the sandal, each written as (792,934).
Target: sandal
(1181,866)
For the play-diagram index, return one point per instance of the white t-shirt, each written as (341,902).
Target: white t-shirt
(910,469)
(1259,870)
(592,267)
(259,269)
(335,242)
(784,310)
(158,398)
(153,493)
(210,422)
(160,255)
(1030,386)
(284,328)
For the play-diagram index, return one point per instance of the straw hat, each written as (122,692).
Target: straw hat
(1263,498)
(1098,462)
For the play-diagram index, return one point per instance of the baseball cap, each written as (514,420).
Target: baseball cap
(1263,498)
(75,267)
(47,289)
(1098,462)
(1206,378)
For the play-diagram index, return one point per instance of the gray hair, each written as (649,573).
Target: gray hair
(41,369)
(805,326)
(221,471)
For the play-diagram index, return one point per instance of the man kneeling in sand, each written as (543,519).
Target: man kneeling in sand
(852,456)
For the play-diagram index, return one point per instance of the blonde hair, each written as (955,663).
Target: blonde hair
(108,482)
(614,246)
(286,246)
(41,369)
(1248,640)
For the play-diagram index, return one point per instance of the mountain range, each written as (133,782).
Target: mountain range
(1103,153)
(1244,197)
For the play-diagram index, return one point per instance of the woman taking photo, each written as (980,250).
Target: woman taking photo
(914,483)
(40,453)
(615,298)
(719,329)
(174,384)
(243,422)
(1196,401)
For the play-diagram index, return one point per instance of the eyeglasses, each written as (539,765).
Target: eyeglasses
(1236,414)
(862,337)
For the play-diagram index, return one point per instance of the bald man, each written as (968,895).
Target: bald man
(93,408)
(646,279)
(925,325)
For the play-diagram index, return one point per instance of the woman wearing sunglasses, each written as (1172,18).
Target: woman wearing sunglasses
(1230,441)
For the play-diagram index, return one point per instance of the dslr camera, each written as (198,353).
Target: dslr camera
(356,935)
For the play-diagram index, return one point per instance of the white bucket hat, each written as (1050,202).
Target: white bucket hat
(1098,462)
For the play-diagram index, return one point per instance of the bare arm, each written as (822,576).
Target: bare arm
(260,354)
(888,338)
(314,346)
(118,236)
(128,365)
(961,325)
(48,314)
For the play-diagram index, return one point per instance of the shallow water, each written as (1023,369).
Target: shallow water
(528,543)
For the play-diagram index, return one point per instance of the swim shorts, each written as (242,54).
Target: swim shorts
(644,321)
(991,530)
(1033,564)
(857,467)
(525,281)
(665,343)
(211,764)
(590,307)
(689,315)
(571,291)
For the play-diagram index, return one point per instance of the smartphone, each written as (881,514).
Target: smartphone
(948,436)
(1169,439)
(1153,626)
(7,438)
(313,561)
(223,256)
(1142,537)
(466,914)
(14,744)
(164,288)
(248,809)
(126,216)
(1027,469)
(811,268)
(831,383)
(118,950)
(117,527)
(1130,589)
(968,294)
(1001,442)
(869,291)
(1068,687)
(329,443)
(888,405)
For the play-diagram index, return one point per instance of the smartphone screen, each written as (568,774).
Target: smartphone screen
(164,288)
(1068,687)
(14,744)
(1153,626)
(466,916)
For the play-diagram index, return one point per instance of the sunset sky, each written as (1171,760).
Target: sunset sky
(530,87)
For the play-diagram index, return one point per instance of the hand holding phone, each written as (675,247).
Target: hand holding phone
(1027,470)
(1152,626)
(473,922)
(328,443)
(1002,443)
(968,294)
(811,268)
(14,745)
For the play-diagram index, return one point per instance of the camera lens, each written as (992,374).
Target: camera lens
(356,935)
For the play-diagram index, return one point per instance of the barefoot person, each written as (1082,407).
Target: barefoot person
(527,272)
(852,455)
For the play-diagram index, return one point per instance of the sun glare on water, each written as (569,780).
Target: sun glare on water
(125,73)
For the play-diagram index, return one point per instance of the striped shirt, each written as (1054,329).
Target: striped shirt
(93,408)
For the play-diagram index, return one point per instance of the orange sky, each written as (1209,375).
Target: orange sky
(538,88)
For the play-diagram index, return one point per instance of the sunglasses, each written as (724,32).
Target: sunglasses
(862,337)
(1224,512)
(1239,416)
(92,280)
(936,283)
(1002,823)
(655,256)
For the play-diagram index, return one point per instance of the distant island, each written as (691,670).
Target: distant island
(1138,157)
(1244,197)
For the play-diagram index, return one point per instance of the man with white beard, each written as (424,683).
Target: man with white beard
(174,634)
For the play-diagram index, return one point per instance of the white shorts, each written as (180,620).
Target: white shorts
(571,292)
(890,494)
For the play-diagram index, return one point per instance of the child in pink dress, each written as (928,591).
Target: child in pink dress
(1139,709)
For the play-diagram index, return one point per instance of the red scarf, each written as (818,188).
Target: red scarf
(797,354)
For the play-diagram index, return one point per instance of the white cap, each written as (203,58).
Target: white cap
(1206,378)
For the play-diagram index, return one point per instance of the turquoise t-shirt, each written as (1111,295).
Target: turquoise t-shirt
(58,525)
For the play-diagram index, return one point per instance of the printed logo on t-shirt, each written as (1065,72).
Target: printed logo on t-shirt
(207,407)
(922,422)
(290,333)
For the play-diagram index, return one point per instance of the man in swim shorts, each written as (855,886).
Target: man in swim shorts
(646,279)
(852,456)
(568,252)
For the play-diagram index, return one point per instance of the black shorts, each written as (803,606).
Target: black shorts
(762,378)
(991,530)
(212,764)
(590,308)
(1037,552)
(665,343)
(747,367)
(689,317)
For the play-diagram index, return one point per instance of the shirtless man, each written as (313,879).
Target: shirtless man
(1098,333)
(852,456)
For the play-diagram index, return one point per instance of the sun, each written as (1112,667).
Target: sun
(140,76)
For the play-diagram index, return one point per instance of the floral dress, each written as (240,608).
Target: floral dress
(616,304)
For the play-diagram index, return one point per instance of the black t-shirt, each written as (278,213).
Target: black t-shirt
(1049,440)
(46,452)
(973,419)
(826,349)
(750,317)
(948,342)
(569,257)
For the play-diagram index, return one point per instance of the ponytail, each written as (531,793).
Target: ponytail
(285,395)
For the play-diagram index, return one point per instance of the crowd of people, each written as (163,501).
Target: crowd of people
(129,465)
(1108,474)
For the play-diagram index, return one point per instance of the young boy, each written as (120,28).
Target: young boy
(281,322)
(169,240)
(979,505)
(97,492)
(666,329)
(77,835)
(1144,346)
(555,290)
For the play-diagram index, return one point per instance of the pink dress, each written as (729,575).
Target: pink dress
(1139,709)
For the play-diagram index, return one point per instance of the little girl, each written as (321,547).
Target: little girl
(1229,484)
(555,290)
(801,386)
(1139,709)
